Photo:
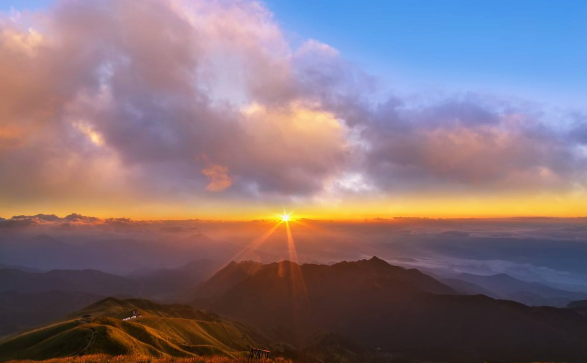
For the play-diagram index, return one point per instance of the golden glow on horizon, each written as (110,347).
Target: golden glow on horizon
(545,205)
(285,217)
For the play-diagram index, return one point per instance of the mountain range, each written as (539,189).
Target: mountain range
(357,311)
(117,255)
(28,299)
(21,311)
(502,286)
(401,311)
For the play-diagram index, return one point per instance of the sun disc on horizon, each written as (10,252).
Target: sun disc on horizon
(285,217)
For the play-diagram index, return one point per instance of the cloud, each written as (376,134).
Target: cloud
(218,177)
(99,107)
(524,271)
(99,95)
(461,144)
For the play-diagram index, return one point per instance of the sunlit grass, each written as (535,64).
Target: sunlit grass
(103,358)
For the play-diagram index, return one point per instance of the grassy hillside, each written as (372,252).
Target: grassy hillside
(160,331)
(103,358)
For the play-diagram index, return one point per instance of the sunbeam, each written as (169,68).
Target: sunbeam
(255,244)
(298,284)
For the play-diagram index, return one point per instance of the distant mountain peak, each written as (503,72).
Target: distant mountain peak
(287,263)
(374,262)
(377,259)
(498,277)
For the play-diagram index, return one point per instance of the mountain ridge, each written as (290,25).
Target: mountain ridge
(403,311)
(530,293)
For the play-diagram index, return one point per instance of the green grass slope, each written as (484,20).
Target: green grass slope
(102,358)
(160,331)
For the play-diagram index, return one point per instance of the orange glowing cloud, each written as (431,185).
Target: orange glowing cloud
(218,177)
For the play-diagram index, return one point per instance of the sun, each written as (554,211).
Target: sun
(285,217)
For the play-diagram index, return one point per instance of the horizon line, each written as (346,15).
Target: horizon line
(79,217)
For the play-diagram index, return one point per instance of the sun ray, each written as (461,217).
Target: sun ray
(308,224)
(297,278)
(255,243)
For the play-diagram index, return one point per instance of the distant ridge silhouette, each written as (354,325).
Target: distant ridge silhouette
(403,311)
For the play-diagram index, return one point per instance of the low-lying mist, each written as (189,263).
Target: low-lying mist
(533,249)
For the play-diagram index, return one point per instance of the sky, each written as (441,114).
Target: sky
(242,109)
(531,48)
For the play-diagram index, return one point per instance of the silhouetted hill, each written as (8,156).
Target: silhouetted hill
(90,281)
(480,328)
(330,347)
(357,311)
(29,299)
(463,287)
(21,268)
(529,293)
(404,312)
(378,267)
(578,306)
(226,279)
(164,284)
(175,284)
(119,254)
(42,251)
(20,311)
(161,330)
(283,294)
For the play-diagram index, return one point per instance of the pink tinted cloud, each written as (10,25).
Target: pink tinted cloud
(108,98)
(218,177)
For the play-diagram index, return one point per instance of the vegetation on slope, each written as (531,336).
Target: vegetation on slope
(160,331)
(103,358)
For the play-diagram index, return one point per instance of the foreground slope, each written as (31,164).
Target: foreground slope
(404,312)
(161,330)
(104,358)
